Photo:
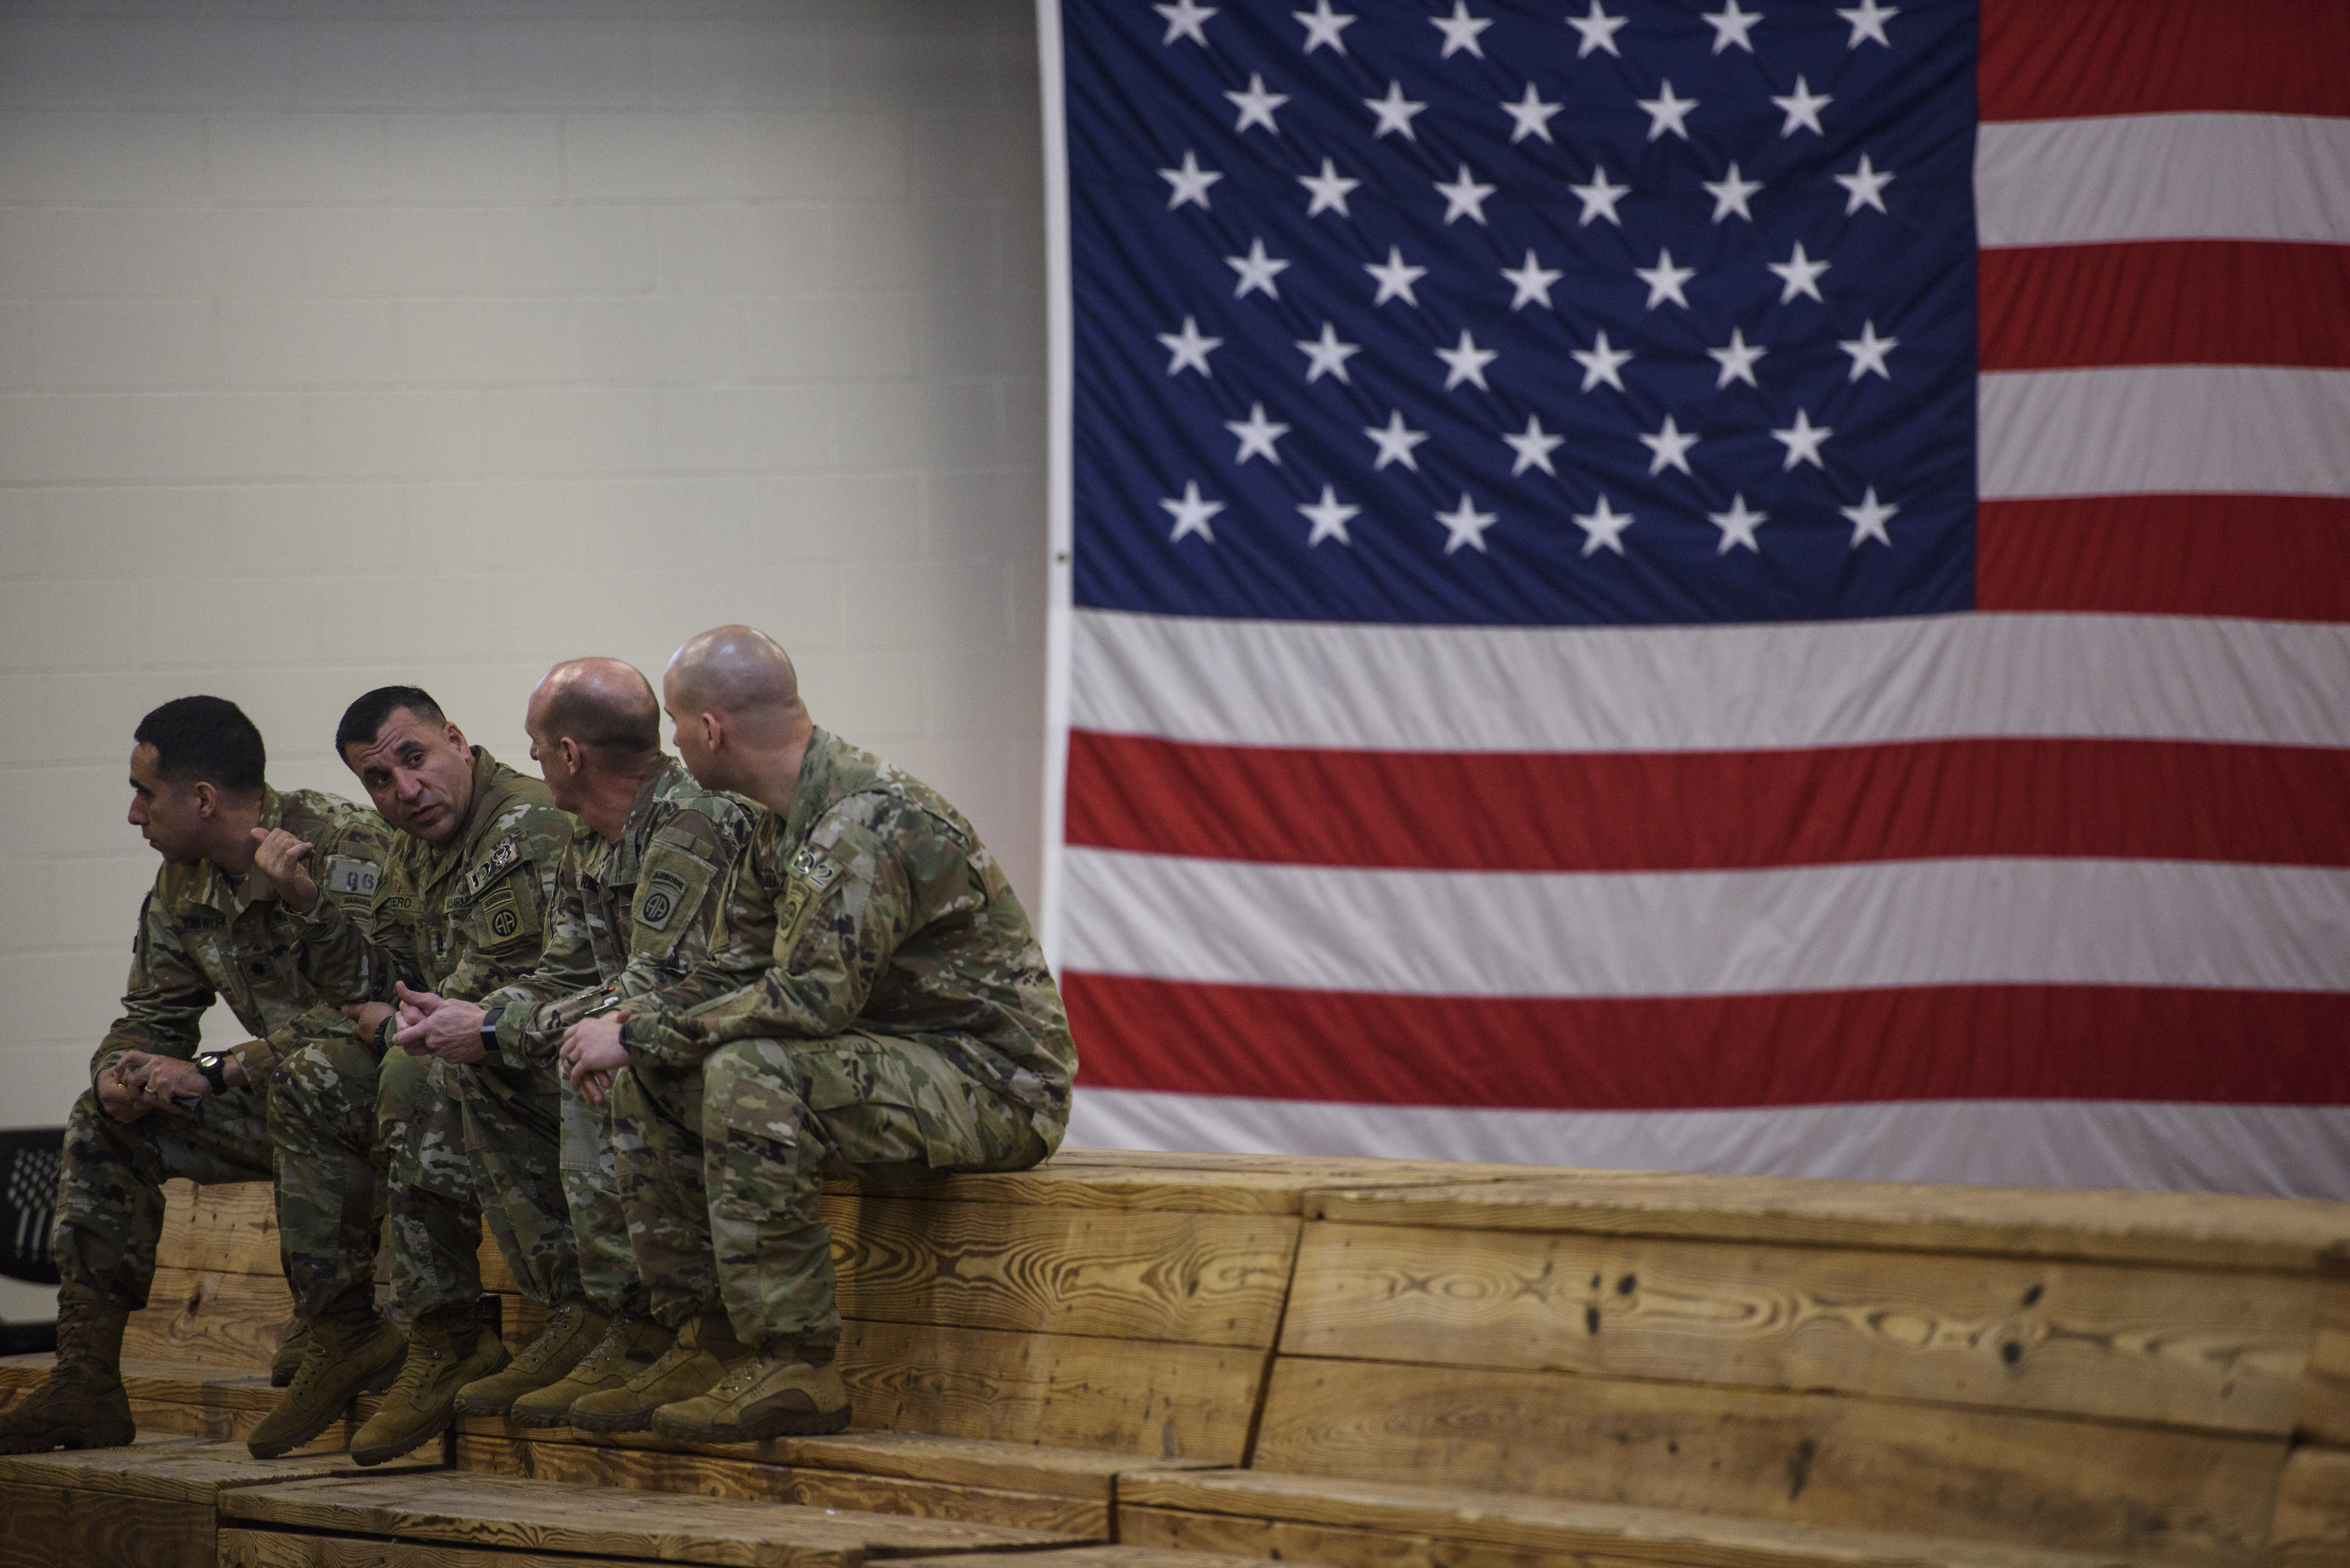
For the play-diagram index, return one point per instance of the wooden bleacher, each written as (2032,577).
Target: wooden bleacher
(1122,1361)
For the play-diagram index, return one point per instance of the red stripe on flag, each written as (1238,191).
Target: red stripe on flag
(1936,1043)
(2170,302)
(1667,811)
(2049,61)
(2268,557)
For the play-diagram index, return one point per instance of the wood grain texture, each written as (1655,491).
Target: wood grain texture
(2312,1514)
(1268,1188)
(191,1400)
(2182,1347)
(2193,1230)
(280,1548)
(33,1526)
(1201,1279)
(1087,1557)
(178,1470)
(1800,1458)
(229,1229)
(1084,1473)
(1134,1397)
(227,1320)
(477,1510)
(2325,1393)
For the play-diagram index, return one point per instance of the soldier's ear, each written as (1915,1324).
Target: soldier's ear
(205,797)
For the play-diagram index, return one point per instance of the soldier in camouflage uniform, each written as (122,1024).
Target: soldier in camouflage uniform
(906,1025)
(461,911)
(634,910)
(210,930)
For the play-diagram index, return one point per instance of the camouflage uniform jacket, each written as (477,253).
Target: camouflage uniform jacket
(204,934)
(880,910)
(633,915)
(460,920)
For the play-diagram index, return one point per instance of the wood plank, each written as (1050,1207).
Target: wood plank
(281,1549)
(2189,1229)
(180,1470)
(1267,1189)
(1020,1466)
(2181,1347)
(201,1316)
(1087,1557)
(1800,1458)
(33,1526)
(1202,1279)
(479,1511)
(1136,1397)
(2325,1395)
(172,1398)
(230,1228)
(2312,1515)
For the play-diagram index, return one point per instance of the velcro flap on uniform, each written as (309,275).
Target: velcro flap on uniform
(346,878)
(813,875)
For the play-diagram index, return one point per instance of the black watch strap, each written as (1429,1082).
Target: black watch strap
(214,1073)
(490,1026)
(385,1031)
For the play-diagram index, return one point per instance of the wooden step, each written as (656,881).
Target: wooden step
(151,1505)
(1092,1557)
(193,1399)
(497,1516)
(1360,1524)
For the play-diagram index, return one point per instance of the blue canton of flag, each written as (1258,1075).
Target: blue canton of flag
(1512,314)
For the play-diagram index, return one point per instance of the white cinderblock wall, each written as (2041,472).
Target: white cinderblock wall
(347,343)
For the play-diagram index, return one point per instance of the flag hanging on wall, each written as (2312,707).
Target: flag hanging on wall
(1707,586)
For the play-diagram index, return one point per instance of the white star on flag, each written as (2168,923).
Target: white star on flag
(1323,26)
(1802,109)
(1461,30)
(1603,525)
(1866,185)
(1667,112)
(1664,280)
(1868,351)
(1186,19)
(1802,439)
(1396,278)
(1669,447)
(1256,105)
(1737,360)
(1190,348)
(1326,355)
(1191,183)
(1532,281)
(1395,442)
(1466,362)
(1800,272)
(1464,196)
(1533,447)
(1731,25)
(1466,525)
(1192,513)
(1329,189)
(1868,519)
(1868,19)
(1737,525)
(1257,271)
(1329,518)
(1257,435)
(1599,197)
(1601,363)
(1599,30)
(1731,194)
(1395,113)
(1532,116)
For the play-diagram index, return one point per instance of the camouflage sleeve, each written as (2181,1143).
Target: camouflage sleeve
(682,947)
(350,946)
(162,1002)
(850,894)
(565,972)
(505,927)
(350,860)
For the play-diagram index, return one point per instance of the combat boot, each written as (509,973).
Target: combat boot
(786,1390)
(449,1348)
(288,1359)
(344,1361)
(689,1368)
(81,1404)
(628,1347)
(572,1330)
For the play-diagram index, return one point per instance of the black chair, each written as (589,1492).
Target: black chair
(29,1161)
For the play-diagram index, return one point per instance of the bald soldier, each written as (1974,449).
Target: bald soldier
(902,1024)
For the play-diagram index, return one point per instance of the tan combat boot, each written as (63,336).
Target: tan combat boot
(786,1390)
(81,1404)
(450,1347)
(572,1330)
(344,1361)
(690,1366)
(628,1348)
(288,1359)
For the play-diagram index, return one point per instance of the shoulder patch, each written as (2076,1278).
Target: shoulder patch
(815,865)
(496,864)
(349,877)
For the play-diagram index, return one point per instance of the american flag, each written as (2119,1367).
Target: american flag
(1709,586)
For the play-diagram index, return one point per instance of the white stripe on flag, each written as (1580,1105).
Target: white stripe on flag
(2263,1150)
(1689,933)
(2163,177)
(1727,688)
(2165,429)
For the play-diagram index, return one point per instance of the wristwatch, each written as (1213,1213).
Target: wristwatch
(214,1074)
(490,1027)
(384,1031)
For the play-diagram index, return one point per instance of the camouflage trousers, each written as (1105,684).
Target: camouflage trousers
(520,1148)
(720,1169)
(110,1212)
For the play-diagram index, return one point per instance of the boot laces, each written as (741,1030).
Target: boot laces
(559,1325)
(609,1348)
(746,1376)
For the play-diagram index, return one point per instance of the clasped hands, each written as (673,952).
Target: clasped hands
(451,1029)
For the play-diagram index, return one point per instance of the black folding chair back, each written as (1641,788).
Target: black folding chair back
(29,1160)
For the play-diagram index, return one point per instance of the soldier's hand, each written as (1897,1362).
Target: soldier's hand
(368,1016)
(167,1078)
(591,1051)
(279,857)
(449,1029)
(118,1094)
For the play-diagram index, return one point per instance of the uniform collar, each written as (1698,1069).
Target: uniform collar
(232,896)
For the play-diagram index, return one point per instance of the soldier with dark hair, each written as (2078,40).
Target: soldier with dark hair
(210,930)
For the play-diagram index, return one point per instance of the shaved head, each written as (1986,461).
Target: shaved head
(605,705)
(740,672)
